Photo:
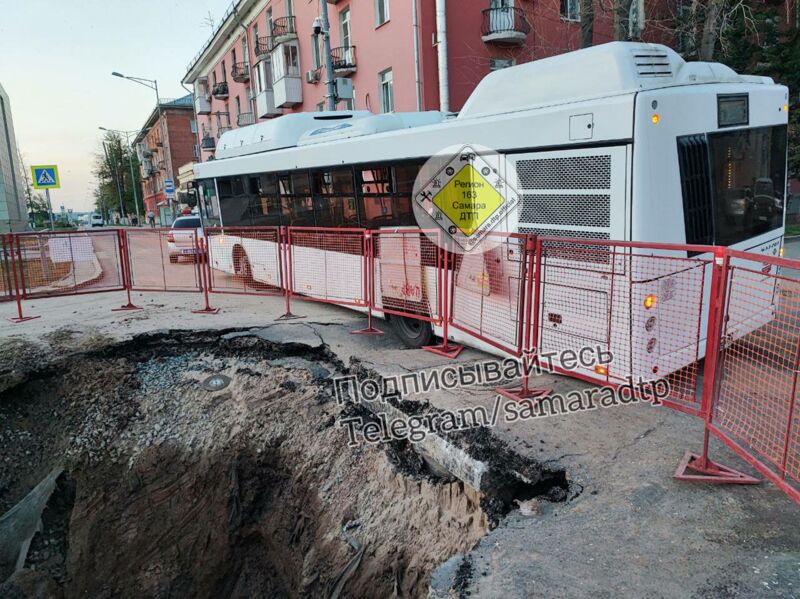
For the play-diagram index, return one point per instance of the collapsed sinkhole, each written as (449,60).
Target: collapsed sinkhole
(167,488)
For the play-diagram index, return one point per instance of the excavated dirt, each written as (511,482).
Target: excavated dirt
(171,490)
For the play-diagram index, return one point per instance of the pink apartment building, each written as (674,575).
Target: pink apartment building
(263,60)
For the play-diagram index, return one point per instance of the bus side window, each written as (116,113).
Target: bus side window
(234,209)
(404,176)
(334,199)
(265,207)
(377,208)
(299,204)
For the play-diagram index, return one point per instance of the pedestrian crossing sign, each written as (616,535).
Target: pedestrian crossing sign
(45,177)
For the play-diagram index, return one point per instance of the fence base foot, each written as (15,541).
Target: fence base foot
(691,469)
(18,319)
(206,311)
(368,331)
(289,316)
(446,350)
(519,394)
(127,307)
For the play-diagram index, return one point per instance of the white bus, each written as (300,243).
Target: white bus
(622,141)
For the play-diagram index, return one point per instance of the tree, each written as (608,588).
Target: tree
(112,165)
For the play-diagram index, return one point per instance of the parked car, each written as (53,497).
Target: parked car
(96,220)
(184,237)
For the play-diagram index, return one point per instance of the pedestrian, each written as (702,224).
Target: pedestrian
(151,218)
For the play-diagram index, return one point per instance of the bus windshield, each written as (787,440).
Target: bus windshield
(748,168)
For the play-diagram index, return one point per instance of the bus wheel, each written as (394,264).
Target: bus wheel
(413,333)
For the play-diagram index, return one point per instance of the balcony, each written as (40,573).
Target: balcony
(288,91)
(344,60)
(222,130)
(245,118)
(161,165)
(208,142)
(220,91)
(283,30)
(263,46)
(265,105)
(202,104)
(505,25)
(240,72)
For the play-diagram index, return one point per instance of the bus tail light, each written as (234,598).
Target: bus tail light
(656,118)
(650,301)
(601,370)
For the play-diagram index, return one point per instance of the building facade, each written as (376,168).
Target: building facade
(264,59)
(167,140)
(13,213)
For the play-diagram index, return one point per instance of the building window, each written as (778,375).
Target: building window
(233,56)
(348,104)
(321,107)
(381,12)
(571,10)
(344,28)
(386,89)
(269,21)
(289,8)
(238,106)
(224,72)
(495,64)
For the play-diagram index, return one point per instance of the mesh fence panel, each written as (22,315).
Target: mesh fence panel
(487,293)
(759,362)
(245,260)
(643,306)
(53,264)
(6,275)
(327,265)
(163,259)
(407,274)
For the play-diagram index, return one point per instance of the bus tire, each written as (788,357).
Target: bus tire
(414,333)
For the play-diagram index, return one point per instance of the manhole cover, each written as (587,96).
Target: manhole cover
(216,382)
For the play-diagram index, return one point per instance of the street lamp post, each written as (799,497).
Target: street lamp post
(153,84)
(111,170)
(130,160)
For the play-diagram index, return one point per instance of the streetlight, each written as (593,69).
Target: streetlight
(130,159)
(153,84)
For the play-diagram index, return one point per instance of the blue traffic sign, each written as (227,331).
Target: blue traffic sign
(169,186)
(45,177)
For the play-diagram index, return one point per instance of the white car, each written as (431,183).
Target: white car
(95,220)
(184,237)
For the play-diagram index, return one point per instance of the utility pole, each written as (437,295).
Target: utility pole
(116,180)
(326,41)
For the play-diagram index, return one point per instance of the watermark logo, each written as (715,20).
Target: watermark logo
(466,191)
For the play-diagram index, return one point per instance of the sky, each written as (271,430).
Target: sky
(56,59)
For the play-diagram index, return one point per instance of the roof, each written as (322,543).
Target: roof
(219,39)
(611,69)
(184,103)
(307,128)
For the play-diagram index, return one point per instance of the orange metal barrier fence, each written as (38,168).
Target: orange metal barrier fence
(657,309)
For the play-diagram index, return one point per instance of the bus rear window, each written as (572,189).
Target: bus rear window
(748,172)
(733,183)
